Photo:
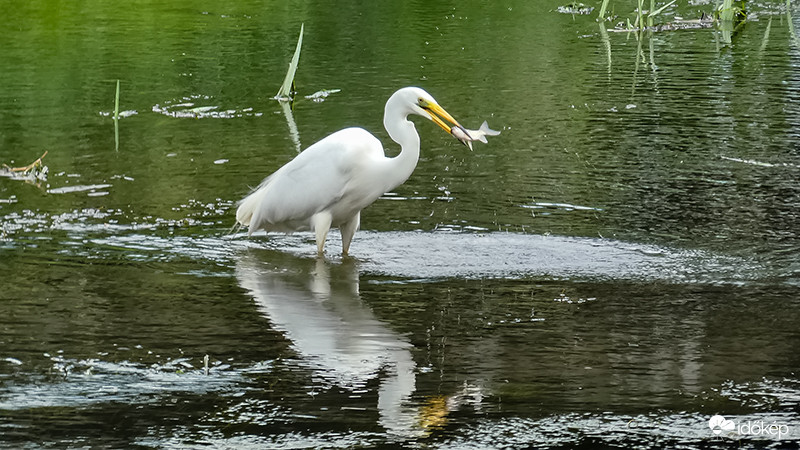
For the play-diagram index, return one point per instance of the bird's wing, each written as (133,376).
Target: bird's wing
(310,183)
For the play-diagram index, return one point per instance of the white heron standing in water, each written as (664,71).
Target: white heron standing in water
(329,183)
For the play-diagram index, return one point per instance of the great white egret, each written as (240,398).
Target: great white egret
(329,183)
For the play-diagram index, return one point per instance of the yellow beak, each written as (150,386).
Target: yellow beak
(439,115)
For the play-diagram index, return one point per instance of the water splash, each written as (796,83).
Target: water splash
(75,382)
(410,255)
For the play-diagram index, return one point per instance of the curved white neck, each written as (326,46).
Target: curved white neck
(402,131)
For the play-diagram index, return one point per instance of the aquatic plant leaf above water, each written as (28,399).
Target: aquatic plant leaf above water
(286,92)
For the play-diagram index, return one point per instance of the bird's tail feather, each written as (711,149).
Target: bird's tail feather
(247,214)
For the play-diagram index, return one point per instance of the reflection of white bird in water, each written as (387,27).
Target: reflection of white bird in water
(335,333)
(329,183)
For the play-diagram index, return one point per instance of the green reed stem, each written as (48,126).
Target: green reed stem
(116,119)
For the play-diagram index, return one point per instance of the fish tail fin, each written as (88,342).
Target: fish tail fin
(488,131)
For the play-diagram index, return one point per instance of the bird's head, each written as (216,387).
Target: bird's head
(423,104)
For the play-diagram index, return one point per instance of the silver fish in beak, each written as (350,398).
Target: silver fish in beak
(467,136)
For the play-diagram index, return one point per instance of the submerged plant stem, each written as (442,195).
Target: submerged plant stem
(116,119)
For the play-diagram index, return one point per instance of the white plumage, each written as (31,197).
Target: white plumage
(328,184)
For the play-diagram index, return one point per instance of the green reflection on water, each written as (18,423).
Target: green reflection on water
(693,151)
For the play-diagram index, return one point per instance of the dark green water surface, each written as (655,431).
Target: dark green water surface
(618,266)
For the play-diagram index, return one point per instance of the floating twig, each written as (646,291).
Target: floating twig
(35,172)
(29,167)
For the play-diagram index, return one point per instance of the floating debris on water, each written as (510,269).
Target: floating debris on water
(92,188)
(122,114)
(34,172)
(320,96)
(563,298)
(575,8)
(560,206)
(753,162)
(187,107)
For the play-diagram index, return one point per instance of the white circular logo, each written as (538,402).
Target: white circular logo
(718,424)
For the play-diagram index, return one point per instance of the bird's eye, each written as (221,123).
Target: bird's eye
(421,101)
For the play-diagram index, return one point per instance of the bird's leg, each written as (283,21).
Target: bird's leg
(349,229)
(322,224)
